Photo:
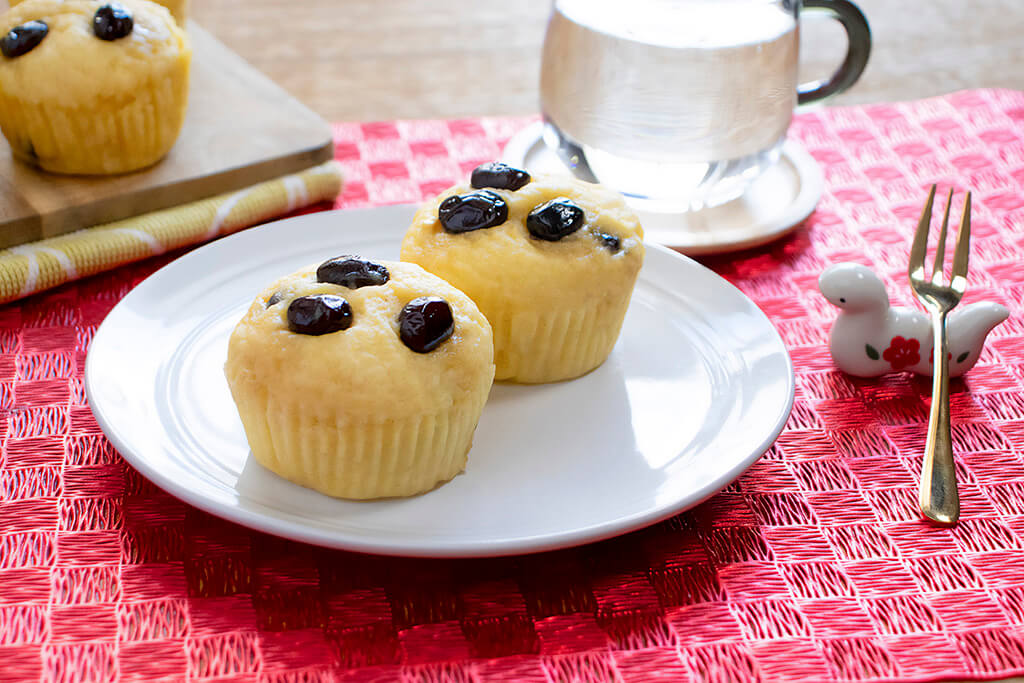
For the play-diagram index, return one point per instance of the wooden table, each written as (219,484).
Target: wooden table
(385,59)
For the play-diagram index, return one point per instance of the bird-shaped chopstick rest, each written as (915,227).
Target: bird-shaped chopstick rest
(869,338)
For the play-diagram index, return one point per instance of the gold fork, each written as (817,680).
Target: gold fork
(938,496)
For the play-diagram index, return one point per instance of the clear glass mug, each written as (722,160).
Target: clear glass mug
(679,104)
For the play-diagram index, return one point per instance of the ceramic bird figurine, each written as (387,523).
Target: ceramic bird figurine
(870,339)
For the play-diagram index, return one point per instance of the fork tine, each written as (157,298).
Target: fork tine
(917,250)
(963,245)
(940,248)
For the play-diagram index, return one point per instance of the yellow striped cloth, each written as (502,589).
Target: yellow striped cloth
(30,268)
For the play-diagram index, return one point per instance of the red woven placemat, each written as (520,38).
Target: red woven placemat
(813,566)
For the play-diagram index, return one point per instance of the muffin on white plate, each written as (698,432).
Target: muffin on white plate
(550,260)
(361,379)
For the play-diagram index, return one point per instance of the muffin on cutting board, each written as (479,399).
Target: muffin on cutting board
(89,87)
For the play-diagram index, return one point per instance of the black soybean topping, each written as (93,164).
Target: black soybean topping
(425,322)
(472,211)
(112,21)
(352,272)
(274,299)
(499,176)
(554,220)
(319,314)
(23,39)
(610,242)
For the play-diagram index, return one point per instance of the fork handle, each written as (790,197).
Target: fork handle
(939,499)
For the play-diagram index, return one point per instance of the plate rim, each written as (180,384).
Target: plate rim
(452,548)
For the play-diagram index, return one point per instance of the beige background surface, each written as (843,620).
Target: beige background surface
(383,59)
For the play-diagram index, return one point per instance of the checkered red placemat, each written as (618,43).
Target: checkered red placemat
(813,566)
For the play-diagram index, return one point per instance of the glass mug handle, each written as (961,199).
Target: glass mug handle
(859,37)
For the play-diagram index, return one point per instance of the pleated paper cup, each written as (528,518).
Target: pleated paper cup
(355,457)
(533,346)
(104,138)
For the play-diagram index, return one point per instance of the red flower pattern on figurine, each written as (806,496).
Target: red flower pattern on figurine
(902,353)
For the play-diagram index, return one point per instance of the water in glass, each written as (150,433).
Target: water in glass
(676,103)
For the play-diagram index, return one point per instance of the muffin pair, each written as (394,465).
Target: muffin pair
(91,87)
(366,379)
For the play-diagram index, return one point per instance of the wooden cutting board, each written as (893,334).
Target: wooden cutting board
(240,129)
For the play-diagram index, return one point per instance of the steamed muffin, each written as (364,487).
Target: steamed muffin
(361,379)
(88,87)
(550,260)
(177,8)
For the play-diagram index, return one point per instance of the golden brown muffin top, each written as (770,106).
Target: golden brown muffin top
(507,258)
(73,67)
(367,367)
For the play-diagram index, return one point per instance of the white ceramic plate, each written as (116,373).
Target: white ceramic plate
(774,204)
(696,390)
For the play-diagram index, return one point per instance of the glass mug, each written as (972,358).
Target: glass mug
(679,104)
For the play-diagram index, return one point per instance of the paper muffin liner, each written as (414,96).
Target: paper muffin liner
(533,346)
(100,137)
(359,458)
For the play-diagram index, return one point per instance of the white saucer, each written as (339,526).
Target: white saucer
(772,206)
(698,386)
